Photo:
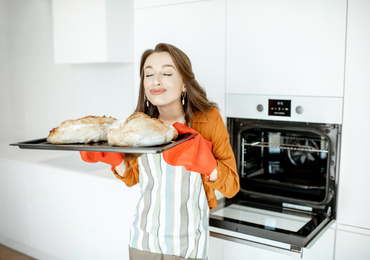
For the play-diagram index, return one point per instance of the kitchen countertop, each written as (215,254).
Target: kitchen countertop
(69,162)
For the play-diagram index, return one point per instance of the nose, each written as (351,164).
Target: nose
(157,80)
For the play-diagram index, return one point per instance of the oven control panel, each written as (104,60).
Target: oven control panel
(327,110)
(279,107)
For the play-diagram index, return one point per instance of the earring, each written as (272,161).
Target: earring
(183,95)
(147,102)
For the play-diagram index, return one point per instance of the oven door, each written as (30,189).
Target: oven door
(285,229)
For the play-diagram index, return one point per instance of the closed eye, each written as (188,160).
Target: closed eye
(149,75)
(166,74)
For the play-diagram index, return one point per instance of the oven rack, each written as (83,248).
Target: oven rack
(305,148)
(301,138)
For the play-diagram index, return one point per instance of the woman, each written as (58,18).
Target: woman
(171,220)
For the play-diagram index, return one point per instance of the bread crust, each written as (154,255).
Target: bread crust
(83,130)
(140,130)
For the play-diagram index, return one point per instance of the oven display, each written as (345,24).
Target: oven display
(279,107)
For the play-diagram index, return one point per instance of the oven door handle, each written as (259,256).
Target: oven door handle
(294,251)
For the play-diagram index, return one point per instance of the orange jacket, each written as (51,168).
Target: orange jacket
(212,128)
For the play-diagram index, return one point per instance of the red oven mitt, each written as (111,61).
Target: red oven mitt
(194,154)
(113,159)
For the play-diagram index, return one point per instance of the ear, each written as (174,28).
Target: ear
(183,88)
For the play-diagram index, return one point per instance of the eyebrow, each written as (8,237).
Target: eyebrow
(164,66)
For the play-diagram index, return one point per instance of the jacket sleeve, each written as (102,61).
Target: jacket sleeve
(227,177)
(131,175)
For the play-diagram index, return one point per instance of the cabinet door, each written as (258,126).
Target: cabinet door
(14,214)
(216,248)
(114,213)
(198,29)
(92,31)
(61,213)
(354,169)
(285,47)
(352,243)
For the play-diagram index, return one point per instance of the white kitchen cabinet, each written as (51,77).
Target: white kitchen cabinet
(93,31)
(61,213)
(354,177)
(196,28)
(285,47)
(323,249)
(352,243)
(14,215)
(216,248)
(50,212)
(61,238)
(85,218)
(114,208)
(69,228)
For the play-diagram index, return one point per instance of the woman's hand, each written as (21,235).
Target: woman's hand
(194,154)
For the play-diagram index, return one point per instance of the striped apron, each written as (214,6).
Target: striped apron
(172,213)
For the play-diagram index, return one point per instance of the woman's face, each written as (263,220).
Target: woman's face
(162,81)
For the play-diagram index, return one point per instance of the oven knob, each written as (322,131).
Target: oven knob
(260,108)
(299,109)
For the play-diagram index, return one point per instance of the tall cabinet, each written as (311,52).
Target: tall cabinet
(353,231)
(285,48)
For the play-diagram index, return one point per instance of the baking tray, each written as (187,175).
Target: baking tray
(42,144)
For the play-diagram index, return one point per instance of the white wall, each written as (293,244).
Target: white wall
(5,123)
(197,28)
(36,94)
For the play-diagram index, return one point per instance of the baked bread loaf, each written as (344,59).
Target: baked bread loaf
(140,130)
(83,130)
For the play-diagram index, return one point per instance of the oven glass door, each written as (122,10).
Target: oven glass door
(281,224)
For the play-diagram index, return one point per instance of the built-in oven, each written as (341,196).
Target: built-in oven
(287,151)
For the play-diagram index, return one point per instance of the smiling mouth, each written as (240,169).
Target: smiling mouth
(157,91)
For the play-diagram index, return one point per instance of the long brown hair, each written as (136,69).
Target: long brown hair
(196,97)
